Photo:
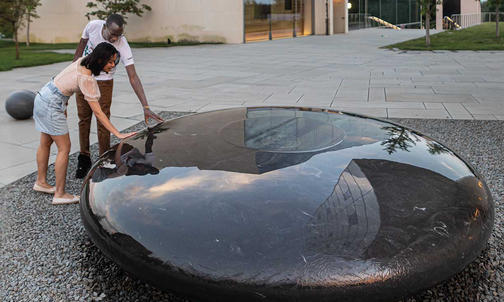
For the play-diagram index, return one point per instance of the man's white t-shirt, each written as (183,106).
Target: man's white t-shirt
(93,32)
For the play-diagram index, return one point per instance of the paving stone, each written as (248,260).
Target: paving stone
(408,90)
(484,117)
(13,155)
(376,94)
(374,112)
(476,109)
(434,98)
(457,111)
(433,105)
(418,113)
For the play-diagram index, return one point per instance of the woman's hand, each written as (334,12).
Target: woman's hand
(125,135)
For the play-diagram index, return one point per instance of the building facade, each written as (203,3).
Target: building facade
(227,21)
(403,13)
(234,21)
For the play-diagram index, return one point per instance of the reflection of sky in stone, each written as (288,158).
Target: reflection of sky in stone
(222,182)
(263,1)
(128,202)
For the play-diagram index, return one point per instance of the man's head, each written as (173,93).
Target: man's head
(114,28)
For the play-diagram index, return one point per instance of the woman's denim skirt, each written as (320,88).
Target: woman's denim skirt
(49,110)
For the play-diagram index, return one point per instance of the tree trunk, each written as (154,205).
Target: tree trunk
(497,34)
(28,30)
(427,24)
(15,29)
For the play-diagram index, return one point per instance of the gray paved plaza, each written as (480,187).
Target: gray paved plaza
(344,72)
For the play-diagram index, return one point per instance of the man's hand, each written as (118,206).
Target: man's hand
(150,114)
(138,88)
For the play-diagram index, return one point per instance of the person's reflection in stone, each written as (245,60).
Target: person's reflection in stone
(129,161)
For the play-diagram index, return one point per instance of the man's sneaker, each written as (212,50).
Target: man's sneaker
(83,166)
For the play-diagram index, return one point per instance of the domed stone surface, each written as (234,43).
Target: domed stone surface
(286,204)
(19,104)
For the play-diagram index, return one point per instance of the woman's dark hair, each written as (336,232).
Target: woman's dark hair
(100,56)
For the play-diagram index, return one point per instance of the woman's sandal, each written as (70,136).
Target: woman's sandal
(74,199)
(39,188)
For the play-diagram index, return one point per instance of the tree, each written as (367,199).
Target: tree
(12,13)
(496,5)
(398,138)
(427,7)
(5,30)
(31,13)
(104,8)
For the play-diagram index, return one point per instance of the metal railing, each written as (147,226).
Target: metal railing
(467,20)
(490,16)
(358,21)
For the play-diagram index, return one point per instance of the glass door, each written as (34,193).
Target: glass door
(257,20)
(282,19)
(276,19)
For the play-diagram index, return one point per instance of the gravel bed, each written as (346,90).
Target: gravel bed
(46,255)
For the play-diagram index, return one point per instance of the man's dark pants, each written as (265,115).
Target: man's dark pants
(85,114)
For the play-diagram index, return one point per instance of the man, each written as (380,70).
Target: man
(95,32)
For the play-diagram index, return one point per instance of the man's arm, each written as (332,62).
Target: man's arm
(80,49)
(139,91)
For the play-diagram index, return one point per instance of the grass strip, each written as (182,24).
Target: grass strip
(479,37)
(40,53)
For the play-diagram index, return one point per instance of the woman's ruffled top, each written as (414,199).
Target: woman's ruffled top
(74,78)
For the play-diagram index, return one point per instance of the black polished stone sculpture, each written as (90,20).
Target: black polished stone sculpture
(292,204)
(19,104)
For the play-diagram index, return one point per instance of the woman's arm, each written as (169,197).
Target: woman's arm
(100,116)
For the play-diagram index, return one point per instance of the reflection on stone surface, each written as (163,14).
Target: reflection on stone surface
(286,203)
(347,222)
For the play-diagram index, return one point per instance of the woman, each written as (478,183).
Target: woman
(49,113)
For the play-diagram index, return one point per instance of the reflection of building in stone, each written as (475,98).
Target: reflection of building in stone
(382,208)
(348,220)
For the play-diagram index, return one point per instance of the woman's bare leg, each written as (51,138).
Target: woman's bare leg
(61,164)
(42,159)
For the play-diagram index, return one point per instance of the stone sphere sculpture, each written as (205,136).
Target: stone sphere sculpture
(19,104)
(286,204)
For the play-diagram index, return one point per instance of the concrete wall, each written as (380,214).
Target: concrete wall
(202,20)
(470,7)
(308,17)
(439,16)
(340,16)
(320,12)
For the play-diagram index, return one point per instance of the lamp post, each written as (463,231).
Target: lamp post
(327,17)
(294,34)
